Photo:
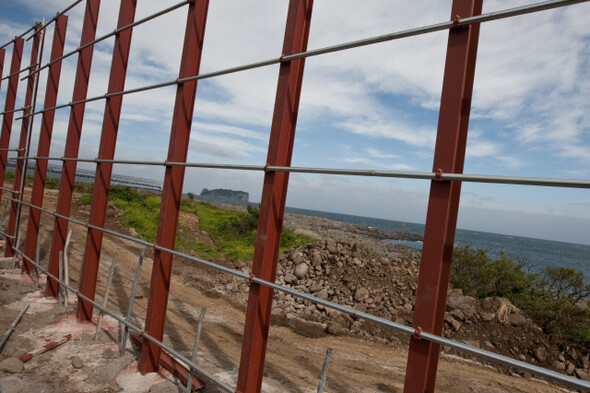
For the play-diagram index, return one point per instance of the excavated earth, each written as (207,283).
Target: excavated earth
(347,264)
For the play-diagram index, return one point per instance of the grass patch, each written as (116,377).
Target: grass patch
(235,232)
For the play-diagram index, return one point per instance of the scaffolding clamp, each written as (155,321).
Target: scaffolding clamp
(438,175)
(418,333)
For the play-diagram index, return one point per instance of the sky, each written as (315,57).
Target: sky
(374,107)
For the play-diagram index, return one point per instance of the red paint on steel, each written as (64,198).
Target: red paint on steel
(59,38)
(108,141)
(176,368)
(443,205)
(2,57)
(50,345)
(17,54)
(274,195)
(172,190)
(66,187)
(20,165)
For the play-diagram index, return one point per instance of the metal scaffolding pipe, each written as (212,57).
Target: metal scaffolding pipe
(114,32)
(136,329)
(348,45)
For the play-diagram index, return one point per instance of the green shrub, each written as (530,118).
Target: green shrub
(480,276)
(549,298)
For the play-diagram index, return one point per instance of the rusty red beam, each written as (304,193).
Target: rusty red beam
(274,195)
(2,57)
(20,168)
(68,172)
(17,55)
(57,49)
(176,368)
(443,204)
(173,180)
(108,141)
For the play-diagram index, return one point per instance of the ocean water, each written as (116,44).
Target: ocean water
(539,253)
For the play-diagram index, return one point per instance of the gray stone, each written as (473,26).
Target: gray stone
(559,366)
(11,366)
(290,278)
(322,294)
(456,324)
(356,261)
(301,270)
(517,320)
(582,374)
(458,314)
(561,358)
(317,260)
(570,368)
(466,304)
(14,384)
(522,357)
(361,294)
(77,362)
(335,328)
(541,353)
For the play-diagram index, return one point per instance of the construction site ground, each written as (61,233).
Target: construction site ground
(293,361)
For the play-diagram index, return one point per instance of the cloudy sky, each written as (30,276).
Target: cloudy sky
(374,107)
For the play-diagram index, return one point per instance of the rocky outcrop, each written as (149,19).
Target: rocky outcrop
(225,195)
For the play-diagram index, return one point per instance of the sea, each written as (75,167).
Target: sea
(538,253)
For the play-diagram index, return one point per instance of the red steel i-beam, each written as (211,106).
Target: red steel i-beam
(68,172)
(23,146)
(2,56)
(274,195)
(57,49)
(102,178)
(173,180)
(17,55)
(443,204)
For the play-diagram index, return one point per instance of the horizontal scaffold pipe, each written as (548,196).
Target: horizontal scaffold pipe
(131,326)
(350,311)
(113,33)
(340,47)
(514,180)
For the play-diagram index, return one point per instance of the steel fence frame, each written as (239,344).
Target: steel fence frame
(446,177)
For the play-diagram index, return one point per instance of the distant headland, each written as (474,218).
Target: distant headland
(225,194)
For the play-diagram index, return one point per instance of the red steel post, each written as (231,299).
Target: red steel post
(173,180)
(443,205)
(59,39)
(274,194)
(23,147)
(17,55)
(108,141)
(68,172)
(2,56)
(11,231)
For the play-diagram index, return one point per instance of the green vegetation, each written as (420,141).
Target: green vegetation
(549,298)
(235,232)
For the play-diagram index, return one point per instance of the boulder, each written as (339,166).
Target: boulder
(301,270)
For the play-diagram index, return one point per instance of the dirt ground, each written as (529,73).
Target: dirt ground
(293,361)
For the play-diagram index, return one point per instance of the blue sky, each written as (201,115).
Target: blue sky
(374,107)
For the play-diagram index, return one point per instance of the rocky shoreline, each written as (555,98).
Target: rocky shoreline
(354,267)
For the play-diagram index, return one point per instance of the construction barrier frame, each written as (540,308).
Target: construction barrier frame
(445,179)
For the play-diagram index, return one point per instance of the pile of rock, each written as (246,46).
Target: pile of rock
(352,275)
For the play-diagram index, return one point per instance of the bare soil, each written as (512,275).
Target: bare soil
(360,362)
